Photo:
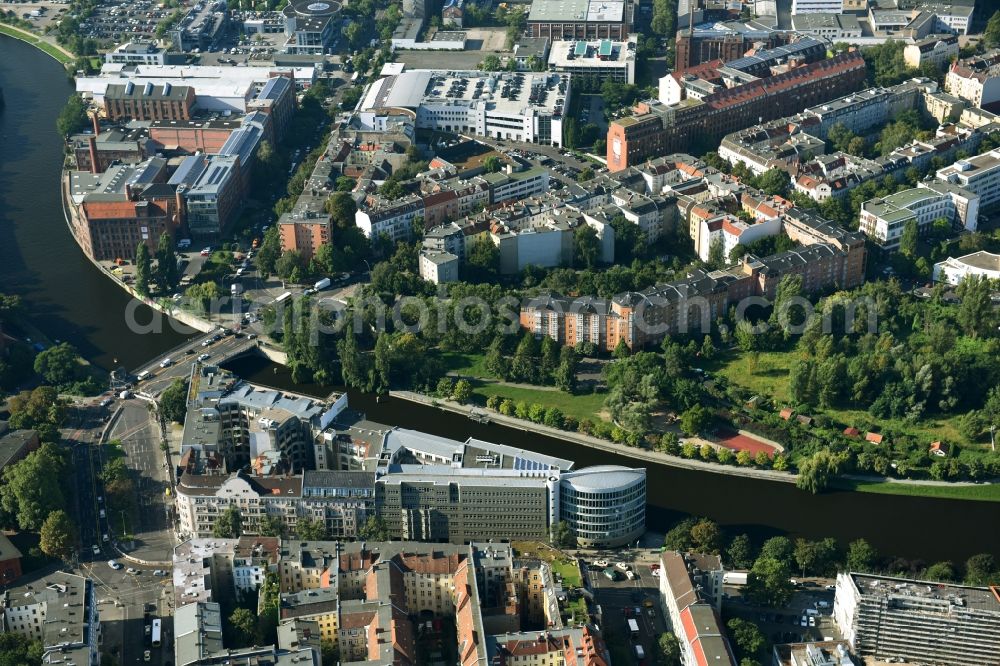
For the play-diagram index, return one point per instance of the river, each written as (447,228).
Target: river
(71,300)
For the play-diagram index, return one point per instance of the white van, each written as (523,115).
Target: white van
(166,363)
(142,375)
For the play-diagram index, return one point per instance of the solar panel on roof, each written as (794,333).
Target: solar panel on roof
(581,49)
(605,49)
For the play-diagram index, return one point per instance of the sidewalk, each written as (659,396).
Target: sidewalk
(477,413)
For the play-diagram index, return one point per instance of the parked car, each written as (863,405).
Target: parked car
(96,549)
(132,570)
(114,565)
(206,251)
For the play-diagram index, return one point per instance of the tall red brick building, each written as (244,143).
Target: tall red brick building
(148,102)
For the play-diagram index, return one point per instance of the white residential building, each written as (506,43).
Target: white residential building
(955,269)
(136,53)
(884,219)
(979,175)
(392,218)
(438,267)
(976,79)
(835,27)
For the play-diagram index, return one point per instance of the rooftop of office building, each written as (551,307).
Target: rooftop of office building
(955,596)
(510,93)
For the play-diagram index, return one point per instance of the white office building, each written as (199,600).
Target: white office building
(918,621)
(522,106)
(979,175)
(817,7)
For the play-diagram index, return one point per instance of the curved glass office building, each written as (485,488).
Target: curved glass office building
(604,505)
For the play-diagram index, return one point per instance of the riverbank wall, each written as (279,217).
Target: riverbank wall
(188,319)
(477,413)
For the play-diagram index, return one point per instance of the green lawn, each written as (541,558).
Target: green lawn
(569,571)
(767,375)
(469,365)
(36,42)
(587,406)
(987,492)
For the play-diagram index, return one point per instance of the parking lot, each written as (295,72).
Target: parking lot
(807,617)
(40,14)
(622,599)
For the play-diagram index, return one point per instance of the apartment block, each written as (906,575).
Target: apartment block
(213,191)
(920,621)
(691,599)
(214,569)
(657,129)
(304,235)
(198,641)
(59,611)
(641,319)
(979,175)
(938,50)
(884,219)
(976,79)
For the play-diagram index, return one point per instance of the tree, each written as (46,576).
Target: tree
(143,269)
(309,529)
(706,536)
(492,164)
(19,650)
(861,556)
(778,548)
(746,636)
(244,622)
(768,583)
(173,401)
(490,63)
(374,529)
(482,262)
(73,116)
(463,391)
(32,488)
(695,420)
(562,535)
(271,526)
(941,571)
(975,314)
(740,552)
(289,265)
(585,174)
(341,206)
(991,36)
(679,537)
(815,472)
(908,241)
(58,536)
(228,525)
(166,262)
(981,569)
(391,189)
(668,649)
(774,182)
(746,338)
(59,365)
(586,247)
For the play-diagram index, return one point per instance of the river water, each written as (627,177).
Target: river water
(71,300)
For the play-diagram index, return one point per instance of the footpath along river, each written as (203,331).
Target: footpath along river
(71,300)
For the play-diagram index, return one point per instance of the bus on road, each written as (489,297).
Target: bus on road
(156,633)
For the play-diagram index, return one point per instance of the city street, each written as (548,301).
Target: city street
(623,599)
(181,359)
(139,434)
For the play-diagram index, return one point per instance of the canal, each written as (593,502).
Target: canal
(71,300)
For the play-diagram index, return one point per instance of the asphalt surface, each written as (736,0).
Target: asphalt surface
(181,358)
(122,596)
